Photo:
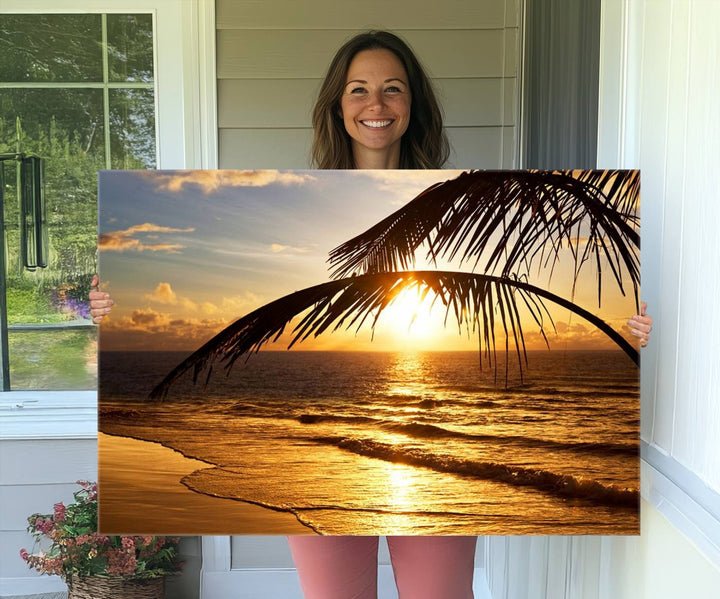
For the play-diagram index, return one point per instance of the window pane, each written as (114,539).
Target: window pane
(132,128)
(53,360)
(130,48)
(51,118)
(66,127)
(50,48)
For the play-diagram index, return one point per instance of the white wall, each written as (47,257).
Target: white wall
(659,564)
(660,84)
(271,58)
(36,474)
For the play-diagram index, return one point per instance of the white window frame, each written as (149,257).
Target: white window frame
(186,130)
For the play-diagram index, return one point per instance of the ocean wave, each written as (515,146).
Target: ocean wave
(561,485)
(420,430)
(315,418)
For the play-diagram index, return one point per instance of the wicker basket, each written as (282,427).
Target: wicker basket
(116,587)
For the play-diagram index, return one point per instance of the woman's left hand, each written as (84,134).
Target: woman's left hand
(100,302)
(641,325)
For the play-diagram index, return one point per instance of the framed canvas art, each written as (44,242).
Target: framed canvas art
(369,352)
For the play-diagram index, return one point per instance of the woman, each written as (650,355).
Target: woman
(377,110)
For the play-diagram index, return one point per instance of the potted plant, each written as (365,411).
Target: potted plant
(97,566)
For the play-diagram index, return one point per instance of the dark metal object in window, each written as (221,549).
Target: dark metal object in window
(33,235)
(33,214)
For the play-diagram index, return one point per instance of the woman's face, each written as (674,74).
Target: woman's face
(375,104)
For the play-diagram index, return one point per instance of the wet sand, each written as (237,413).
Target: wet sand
(141,493)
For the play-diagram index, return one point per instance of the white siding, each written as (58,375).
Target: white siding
(660,83)
(34,476)
(670,128)
(658,564)
(271,59)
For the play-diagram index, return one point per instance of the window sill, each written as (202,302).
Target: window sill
(679,494)
(48,415)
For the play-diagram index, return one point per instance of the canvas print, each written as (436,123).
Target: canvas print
(369,352)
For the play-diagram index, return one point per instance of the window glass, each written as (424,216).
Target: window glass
(59,102)
(54,123)
(132,128)
(37,48)
(130,55)
(58,359)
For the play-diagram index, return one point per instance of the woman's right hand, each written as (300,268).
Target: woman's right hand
(100,302)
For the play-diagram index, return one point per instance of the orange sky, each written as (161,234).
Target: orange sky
(185,253)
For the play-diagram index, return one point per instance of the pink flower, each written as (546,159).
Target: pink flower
(90,488)
(121,562)
(59,512)
(53,565)
(128,543)
(100,539)
(43,526)
(72,554)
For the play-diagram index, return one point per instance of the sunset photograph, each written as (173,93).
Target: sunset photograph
(369,352)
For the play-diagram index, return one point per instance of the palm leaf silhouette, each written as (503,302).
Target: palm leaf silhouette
(350,302)
(516,219)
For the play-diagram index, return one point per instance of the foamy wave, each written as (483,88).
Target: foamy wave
(562,485)
(419,430)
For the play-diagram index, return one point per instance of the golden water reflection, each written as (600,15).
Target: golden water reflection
(400,481)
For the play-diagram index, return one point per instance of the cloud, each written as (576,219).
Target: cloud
(241,304)
(148,328)
(232,307)
(127,239)
(207,308)
(401,186)
(277,248)
(210,181)
(163,294)
(149,319)
(575,335)
(575,242)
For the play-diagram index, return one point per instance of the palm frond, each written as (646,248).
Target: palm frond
(348,303)
(511,220)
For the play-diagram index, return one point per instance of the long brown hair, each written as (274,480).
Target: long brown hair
(424,144)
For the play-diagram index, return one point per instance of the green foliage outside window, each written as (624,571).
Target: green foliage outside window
(76,90)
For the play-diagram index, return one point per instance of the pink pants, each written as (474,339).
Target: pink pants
(346,567)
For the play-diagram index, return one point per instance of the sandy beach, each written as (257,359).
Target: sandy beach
(141,493)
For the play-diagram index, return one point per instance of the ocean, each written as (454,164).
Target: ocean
(400,443)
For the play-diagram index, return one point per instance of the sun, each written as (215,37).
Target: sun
(410,317)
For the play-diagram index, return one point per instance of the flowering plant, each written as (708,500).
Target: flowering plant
(77,549)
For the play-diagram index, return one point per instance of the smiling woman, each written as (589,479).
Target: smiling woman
(375,78)
(375,108)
